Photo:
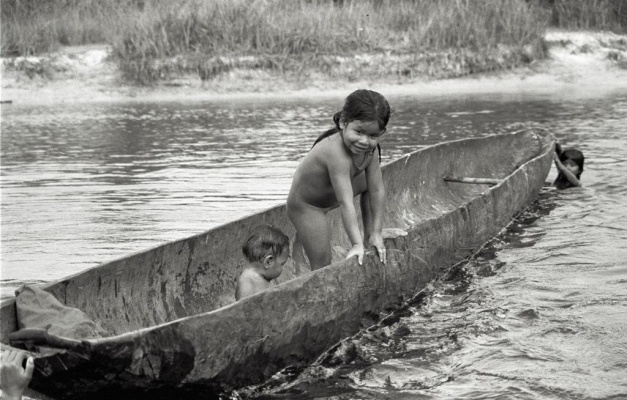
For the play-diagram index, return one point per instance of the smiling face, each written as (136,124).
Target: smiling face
(361,136)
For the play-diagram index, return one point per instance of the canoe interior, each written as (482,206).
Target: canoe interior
(198,274)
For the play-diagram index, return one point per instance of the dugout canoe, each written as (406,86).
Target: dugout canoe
(175,327)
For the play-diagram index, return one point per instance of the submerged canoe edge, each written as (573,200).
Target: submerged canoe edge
(246,342)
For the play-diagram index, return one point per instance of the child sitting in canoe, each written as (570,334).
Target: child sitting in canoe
(267,249)
(569,165)
(343,163)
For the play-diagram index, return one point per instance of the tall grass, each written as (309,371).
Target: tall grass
(277,26)
(285,32)
(588,14)
(296,27)
(38,26)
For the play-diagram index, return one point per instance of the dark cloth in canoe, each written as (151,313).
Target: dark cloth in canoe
(37,308)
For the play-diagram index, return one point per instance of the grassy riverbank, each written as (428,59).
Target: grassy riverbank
(578,63)
(157,40)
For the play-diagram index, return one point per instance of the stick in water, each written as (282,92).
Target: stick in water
(485,181)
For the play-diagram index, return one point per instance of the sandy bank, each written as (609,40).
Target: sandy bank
(579,63)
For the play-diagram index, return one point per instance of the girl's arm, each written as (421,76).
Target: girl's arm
(376,192)
(569,175)
(339,172)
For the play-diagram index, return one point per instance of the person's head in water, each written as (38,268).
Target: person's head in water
(366,113)
(573,160)
(569,164)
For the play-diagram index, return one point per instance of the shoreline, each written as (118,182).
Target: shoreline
(580,63)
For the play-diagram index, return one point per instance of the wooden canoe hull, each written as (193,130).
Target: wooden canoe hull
(196,338)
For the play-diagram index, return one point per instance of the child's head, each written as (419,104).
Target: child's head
(364,105)
(268,246)
(573,160)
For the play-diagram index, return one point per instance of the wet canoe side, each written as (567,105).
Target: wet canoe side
(244,342)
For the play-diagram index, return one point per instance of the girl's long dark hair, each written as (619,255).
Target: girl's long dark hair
(362,105)
(336,119)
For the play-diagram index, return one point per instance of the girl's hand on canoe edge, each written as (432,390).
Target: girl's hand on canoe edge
(357,250)
(376,240)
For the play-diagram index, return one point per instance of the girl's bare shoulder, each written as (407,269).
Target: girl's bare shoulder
(247,273)
(331,151)
(250,275)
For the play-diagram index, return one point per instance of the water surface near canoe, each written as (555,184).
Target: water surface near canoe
(541,314)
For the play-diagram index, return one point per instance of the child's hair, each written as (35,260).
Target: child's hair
(262,240)
(362,105)
(574,155)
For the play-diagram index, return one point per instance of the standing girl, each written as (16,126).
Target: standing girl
(343,162)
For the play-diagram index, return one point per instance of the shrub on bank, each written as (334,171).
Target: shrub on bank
(208,37)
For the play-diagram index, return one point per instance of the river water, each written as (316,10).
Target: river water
(539,313)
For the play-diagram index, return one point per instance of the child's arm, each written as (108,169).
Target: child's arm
(14,378)
(339,172)
(569,175)
(376,192)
